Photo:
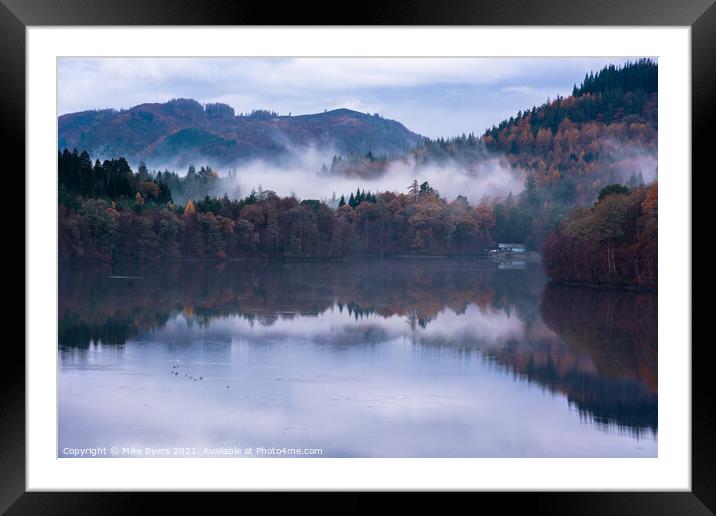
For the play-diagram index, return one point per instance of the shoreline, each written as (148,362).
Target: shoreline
(271,259)
(604,286)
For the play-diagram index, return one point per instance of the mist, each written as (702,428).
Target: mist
(630,161)
(306,174)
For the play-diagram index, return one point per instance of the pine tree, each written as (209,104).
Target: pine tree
(142,171)
(425,188)
(414,190)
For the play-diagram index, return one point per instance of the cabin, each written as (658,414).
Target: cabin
(511,248)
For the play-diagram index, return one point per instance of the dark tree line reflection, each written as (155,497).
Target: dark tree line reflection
(110,306)
(597,347)
(603,355)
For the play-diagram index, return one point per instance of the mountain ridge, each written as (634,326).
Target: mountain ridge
(180,131)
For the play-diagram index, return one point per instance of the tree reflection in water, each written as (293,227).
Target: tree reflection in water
(598,348)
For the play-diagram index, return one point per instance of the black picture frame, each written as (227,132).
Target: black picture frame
(16,15)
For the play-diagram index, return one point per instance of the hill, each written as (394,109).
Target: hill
(604,133)
(568,149)
(183,131)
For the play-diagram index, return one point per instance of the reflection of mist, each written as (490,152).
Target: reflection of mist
(358,348)
(473,328)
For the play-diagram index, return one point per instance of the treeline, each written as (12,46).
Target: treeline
(112,179)
(360,196)
(131,224)
(198,183)
(642,74)
(260,114)
(613,243)
(360,166)
(610,95)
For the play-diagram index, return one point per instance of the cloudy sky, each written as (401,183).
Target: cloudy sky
(431,96)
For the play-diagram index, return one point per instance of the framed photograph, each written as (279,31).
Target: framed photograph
(421,253)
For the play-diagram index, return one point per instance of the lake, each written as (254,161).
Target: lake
(362,358)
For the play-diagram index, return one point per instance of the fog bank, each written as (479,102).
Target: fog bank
(307,175)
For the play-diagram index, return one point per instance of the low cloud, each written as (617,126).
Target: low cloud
(304,175)
(491,177)
(631,160)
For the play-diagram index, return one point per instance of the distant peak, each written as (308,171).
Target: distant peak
(345,111)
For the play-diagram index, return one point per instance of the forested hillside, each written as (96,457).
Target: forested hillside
(600,135)
(568,149)
(183,131)
(107,212)
(613,243)
(597,133)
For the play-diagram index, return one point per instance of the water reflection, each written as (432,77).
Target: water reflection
(449,329)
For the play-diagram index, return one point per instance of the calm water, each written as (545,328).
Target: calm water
(392,358)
